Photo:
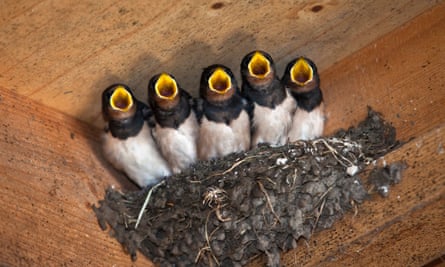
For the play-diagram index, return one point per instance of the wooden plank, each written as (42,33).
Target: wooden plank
(63,53)
(51,172)
(402,74)
(9,9)
(413,239)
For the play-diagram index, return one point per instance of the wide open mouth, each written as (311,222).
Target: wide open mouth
(166,87)
(220,81)
(301,73)
(121,99)
(259,66)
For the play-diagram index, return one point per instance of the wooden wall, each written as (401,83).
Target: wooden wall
(64,53)
(56,57)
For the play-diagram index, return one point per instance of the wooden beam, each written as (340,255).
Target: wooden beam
(401,74)
(51,172)
(413,239)
(64,53)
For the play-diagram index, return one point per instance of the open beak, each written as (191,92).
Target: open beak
(259,66)
(301,73)
(121,99)
(220,82)
(166,87)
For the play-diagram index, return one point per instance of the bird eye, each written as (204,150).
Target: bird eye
(301,73)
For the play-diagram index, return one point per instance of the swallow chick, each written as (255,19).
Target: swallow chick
(127,142)
(225,126)
(273,107)
(176,130)
(302,80)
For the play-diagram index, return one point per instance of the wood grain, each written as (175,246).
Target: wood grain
(418,237)
(64,53)
(51,172)
(401,74)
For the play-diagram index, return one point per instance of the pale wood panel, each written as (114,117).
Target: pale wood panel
(63,53)
(418,237)
(51,172)
(10,9)
(402,74)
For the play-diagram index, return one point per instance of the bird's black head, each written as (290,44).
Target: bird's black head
(301,75)
(258,69)
(163,91)
(218,84)
(118,103)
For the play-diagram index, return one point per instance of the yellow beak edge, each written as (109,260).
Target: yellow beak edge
(166,87)
(259,66)
(301,73)
(220,82)
(121,99)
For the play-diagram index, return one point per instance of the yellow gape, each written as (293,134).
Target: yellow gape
(166,87)
(301,73)
(121,99)
(259,66)
(220,81)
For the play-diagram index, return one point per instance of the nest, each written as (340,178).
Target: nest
(228,211)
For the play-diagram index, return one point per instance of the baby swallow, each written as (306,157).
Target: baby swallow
(176,131)
(302,80)
(225,126)
(127,143)
(273,106)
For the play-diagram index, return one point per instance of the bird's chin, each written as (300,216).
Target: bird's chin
(301,73)
(305,88)
(260,84)
(167,104)
(215,97)
(118,115)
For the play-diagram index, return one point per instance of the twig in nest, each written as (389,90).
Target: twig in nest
(147,199)
(215,195)
(208,247)
(323,196)
(236,164)
(219,215)
(354,204)
(294,178)
(269,203)
(335,153)
(319,214)
(200,252)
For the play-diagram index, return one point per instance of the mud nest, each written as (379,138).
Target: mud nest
(228,211)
